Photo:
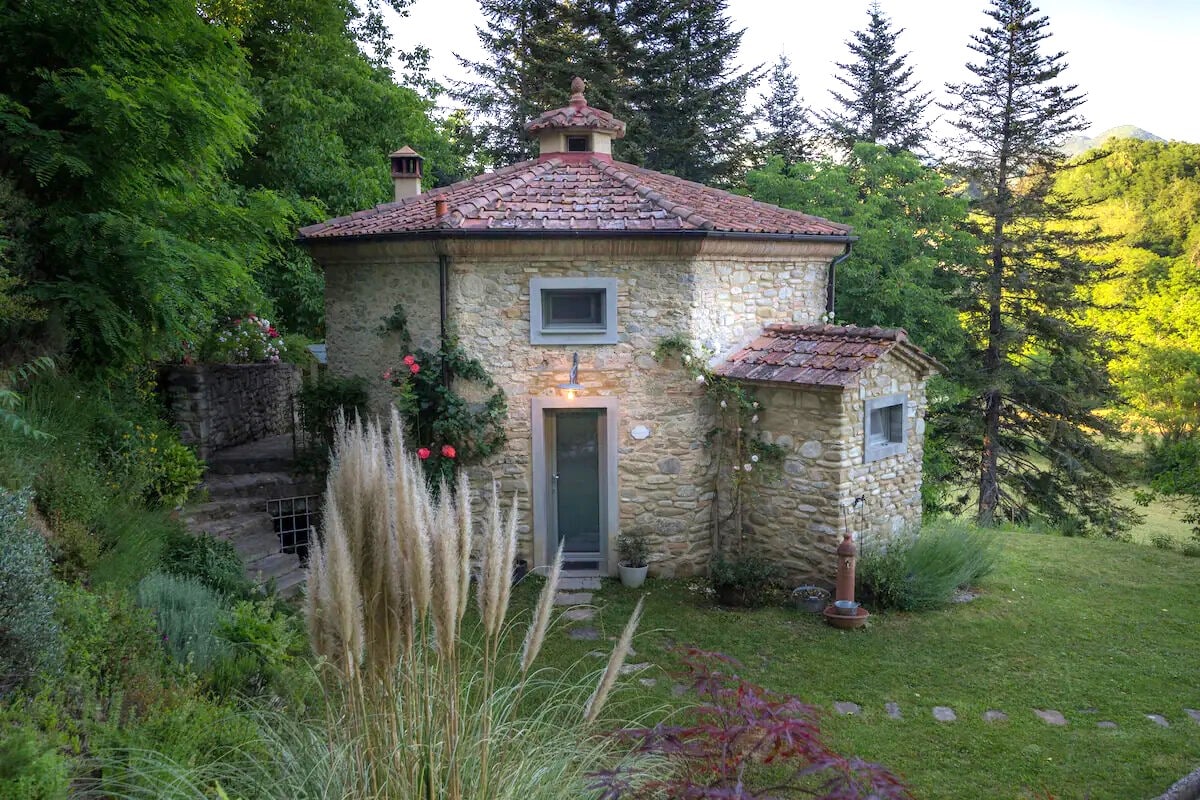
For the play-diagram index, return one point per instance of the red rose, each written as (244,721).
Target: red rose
(410,360)
(423,453)
(272,333)
(448,451)
(387,374)
(414,368)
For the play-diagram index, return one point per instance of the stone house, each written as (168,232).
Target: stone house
(576,258)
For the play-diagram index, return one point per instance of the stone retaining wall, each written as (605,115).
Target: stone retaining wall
(221,405)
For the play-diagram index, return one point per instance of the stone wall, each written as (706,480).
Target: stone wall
(891,486)
(796,519)
(222,405)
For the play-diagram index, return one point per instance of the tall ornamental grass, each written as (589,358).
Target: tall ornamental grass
(423,707)
(920,571)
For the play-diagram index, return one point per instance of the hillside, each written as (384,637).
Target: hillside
(1081,144)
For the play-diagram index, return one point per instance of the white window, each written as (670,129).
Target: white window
(885,427)
(573,310)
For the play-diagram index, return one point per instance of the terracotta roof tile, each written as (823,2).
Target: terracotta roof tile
(597,194)
(819,355)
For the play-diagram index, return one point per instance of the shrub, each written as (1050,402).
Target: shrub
(1163,541)
(1192,549)
(211,561)
(319,403)
(29,634)
(188,615)
(31,768)
(747,579)
(134,541)
(266,644)
(743,741)
(148,461)
(633,548)
(248,339)
(915,572)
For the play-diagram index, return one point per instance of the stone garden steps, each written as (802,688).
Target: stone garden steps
(239,482)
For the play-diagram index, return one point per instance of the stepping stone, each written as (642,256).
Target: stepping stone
(1050,716)
(584,634)
(1158,719)
(1106,724)
(572,598)
(578,614)
(679,690)
(1194,714)
(1089,711)
(648,682)
(893,710)
(944,714)
(846,708)
(629,669)
(992,715)
(578,584)
(598,654)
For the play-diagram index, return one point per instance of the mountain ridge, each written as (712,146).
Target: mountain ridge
(1081,144)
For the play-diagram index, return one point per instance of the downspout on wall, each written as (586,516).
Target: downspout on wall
(831,281)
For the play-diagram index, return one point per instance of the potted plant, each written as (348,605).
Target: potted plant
(746,580)
(811,598)
(632,549)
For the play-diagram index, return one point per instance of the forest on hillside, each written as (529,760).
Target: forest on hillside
(157,159)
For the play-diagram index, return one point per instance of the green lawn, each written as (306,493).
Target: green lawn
(1064,624)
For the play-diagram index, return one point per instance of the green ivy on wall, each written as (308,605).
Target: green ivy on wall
(743,459)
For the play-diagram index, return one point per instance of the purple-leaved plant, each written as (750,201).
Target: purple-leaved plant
(744,742)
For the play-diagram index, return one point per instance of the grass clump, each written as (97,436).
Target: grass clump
(922,570)
(29,634)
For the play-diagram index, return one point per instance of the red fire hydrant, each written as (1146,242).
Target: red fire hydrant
(847,555)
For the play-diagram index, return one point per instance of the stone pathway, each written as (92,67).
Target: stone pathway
(1050,716)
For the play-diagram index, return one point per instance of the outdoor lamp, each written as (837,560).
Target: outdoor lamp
(572,385)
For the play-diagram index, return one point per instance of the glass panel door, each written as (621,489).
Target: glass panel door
(576,480)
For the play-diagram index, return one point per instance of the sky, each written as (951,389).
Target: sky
(1135,60)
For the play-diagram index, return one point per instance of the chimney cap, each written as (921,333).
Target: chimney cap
(577,87)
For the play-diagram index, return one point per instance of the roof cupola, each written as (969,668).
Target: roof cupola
(575,128)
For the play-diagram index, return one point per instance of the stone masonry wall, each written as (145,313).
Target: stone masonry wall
(796,520)
(891,486)
(222,405)
(717,299)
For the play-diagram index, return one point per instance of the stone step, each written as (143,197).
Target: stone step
(241,525)
(276,565)
(197,515)
(255,547)
(248,465)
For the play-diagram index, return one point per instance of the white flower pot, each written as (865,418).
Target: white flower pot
(633,577)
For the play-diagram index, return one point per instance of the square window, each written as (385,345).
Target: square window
(885,432)
(578,144)
(573,311)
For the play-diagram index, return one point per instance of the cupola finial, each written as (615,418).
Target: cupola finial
(577,87)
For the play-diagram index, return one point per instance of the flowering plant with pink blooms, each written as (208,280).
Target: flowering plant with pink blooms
(248,339)
(446,428)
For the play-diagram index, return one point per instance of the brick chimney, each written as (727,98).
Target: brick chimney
(406,172)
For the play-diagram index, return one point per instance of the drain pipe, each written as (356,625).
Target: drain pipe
(443,308)
(831,281)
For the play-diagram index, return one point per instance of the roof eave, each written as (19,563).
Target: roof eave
(506,233)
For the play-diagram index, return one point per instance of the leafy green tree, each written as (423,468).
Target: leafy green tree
(784,129)
(883,104)
(118,122)
(687,95)
(328,119)
(1031,430)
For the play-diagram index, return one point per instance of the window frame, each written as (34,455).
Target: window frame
(542,332)
(875,452)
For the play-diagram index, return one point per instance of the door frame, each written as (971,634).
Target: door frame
(608,475)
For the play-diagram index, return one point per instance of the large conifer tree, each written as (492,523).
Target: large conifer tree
(784,129)
(1030,429)
(883,104)
(687,95)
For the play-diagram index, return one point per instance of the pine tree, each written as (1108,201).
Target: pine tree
(883,104)
(1031,428)
(533,52)
(687,97)
(785,130)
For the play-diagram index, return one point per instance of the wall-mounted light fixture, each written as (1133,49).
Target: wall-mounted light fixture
(572,385)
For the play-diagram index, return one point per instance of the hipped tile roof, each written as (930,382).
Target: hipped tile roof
(820,355)
(569,194)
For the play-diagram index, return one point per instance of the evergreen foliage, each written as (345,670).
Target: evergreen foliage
(666,68)
(1030,430)
(883,103)
(29,635)
(784,129)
